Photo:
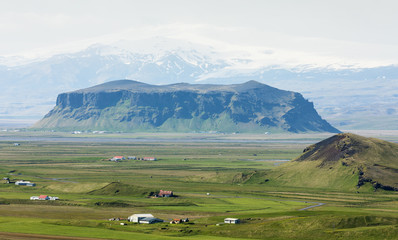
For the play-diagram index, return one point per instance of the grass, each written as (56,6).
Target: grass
(93,190)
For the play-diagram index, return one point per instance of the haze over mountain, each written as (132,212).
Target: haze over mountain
(345,162)
(344,95)
(132,106)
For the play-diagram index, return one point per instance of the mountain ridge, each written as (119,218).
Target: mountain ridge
(30,90)
(136,86)
(127,105)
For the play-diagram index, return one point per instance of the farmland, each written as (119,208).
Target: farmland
(213,176)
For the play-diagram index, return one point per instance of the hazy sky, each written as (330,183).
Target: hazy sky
(351,31)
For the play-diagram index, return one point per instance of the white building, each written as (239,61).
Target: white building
(25,183)
(231,220)
(144,218)
(117,158)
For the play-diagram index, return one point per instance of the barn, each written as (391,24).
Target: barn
(144,218)
(25,183)
(137,217)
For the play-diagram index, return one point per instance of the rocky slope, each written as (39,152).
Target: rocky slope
(127,105)
(344,161)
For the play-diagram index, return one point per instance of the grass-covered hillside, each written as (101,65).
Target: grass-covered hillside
(344,161)
(213,177)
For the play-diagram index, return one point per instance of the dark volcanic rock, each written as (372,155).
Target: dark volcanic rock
(127,105)
(372,160)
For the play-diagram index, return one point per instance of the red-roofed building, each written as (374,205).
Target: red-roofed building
(165,193)
(44,197)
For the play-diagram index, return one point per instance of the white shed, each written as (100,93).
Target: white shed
(232,220)
(137,217)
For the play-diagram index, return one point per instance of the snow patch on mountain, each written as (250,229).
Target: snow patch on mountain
(31,87)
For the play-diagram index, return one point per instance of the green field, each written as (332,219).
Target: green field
(215,177)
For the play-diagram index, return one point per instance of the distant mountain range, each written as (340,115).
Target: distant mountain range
(132,106)
(348,97)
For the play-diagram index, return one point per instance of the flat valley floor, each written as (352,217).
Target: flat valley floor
(214,176)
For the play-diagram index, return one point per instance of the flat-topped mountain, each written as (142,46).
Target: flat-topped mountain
(343,161)
(132,106)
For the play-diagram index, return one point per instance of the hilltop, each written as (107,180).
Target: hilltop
(343,161)
(132,106)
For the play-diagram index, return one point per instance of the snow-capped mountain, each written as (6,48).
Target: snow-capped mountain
(343,96)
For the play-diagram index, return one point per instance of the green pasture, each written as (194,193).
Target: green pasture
(213,180)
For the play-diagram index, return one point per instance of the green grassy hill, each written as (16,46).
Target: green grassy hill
(345,162)
(121,189)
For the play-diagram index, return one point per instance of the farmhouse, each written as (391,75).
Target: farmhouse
(44,197)
(149,159)
(232,220)
(117,158)
(165,193)
(178,221)
(144,218)
(25,183)
(132,157)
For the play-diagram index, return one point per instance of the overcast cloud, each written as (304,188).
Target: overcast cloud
(349,32)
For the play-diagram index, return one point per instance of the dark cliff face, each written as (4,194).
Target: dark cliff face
(130,106)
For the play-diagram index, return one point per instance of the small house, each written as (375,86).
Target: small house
(176,221)
(117,158)
(179,220)
(165,193)
(44,197)
(149,159)
(132,158)
(232,220)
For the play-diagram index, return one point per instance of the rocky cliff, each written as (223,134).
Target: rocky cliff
(127,105)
